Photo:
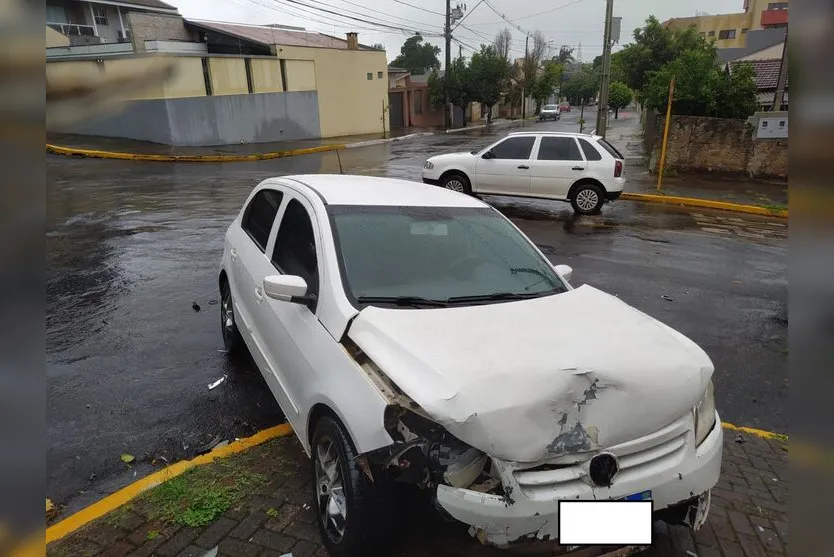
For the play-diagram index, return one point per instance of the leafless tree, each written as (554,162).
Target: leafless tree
(502,42)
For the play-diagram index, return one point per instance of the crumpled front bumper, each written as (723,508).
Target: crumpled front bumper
(531,510)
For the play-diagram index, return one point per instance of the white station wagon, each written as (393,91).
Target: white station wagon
(583,169)
(413,334)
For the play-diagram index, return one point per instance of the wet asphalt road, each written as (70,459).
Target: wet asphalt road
(130,247)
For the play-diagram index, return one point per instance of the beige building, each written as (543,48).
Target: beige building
(232,83)
(730,30)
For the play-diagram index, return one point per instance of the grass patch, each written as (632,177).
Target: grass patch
(775,207)
(201,494)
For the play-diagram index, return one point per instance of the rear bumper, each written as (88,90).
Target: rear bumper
(613,195)
(533,512)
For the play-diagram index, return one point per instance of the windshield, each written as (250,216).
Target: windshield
(436,254)
(550,107)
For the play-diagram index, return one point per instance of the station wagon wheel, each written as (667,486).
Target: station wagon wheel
(456,182)
(587,199)
(353,511)
(232,341)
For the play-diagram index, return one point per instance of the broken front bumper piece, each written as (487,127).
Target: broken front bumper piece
(666,462)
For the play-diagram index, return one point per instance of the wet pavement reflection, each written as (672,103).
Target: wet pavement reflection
(131,246)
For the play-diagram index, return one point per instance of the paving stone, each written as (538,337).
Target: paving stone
(751,546)
(178,542)
(782,530)
(104,534)
(705,551)
(304,548)
(118,549)
(740,522)
(248,525)
(721,527)
(769,539)
(705,536)
(303,531)
(230,547)
(731,548)
(212,535)
(273,540)
(192,551)
(286,514)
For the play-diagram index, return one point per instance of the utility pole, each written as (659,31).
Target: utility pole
(460,51)
(602,108)
(524,77)
(779,95)
(448,77)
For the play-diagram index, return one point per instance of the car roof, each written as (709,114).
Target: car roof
(347,189)
(571,134)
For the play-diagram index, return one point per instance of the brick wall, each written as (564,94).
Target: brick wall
(148,27)
(720,145)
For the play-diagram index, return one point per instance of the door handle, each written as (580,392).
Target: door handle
(259,295)
(233,253)
(578,168)
(524,166)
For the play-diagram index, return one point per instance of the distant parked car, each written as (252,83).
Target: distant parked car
(415,336)
(564,107)
(583,169)
(550,112)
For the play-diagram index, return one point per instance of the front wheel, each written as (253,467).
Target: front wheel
(587,199)
(456,182)
(351,508)
(232,341)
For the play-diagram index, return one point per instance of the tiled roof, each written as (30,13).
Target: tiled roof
(151,4)
(767,72)
(268,35)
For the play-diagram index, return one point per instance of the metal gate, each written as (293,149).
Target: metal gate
(395,110)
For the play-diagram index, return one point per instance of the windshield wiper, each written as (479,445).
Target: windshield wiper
(516,270)
(402,301)
(495,297)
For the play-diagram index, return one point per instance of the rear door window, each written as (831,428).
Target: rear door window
(558,149)
(259,216)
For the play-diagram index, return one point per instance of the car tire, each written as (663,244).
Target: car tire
(587,199)
(232,341)
(456,181)
(352,511)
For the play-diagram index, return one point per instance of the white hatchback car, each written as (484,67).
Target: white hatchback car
(583,169)
(413,334)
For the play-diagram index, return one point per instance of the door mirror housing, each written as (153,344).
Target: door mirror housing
(564,271)
(286,288)
(488,155)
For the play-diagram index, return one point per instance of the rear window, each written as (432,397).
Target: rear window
(550,107)
(590,151)
(611,149)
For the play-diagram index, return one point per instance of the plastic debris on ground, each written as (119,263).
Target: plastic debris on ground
(217,383)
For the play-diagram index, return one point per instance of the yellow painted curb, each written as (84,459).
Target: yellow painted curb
(119,498)
(94,154)
(753,431)
(706,204)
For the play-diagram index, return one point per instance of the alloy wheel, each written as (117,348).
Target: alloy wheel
(587,199)
(455,185)
(227,314)
(330,489)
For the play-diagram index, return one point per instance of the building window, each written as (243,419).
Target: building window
(99,15)
(727,34)
(56,14)
(777,6)
(370,76)
(711,33)
(418,102)
(379,75)
(744,30)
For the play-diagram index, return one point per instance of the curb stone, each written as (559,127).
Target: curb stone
(706,204)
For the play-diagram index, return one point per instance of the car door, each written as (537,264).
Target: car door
(295,334)
(248,241)
(505,167)
(557,164)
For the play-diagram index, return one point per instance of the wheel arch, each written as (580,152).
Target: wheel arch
(458,172)
(222,279)
(583,181)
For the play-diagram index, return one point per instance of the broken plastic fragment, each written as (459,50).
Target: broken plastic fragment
(217,383)
(211,552)
(128,458)
(667,298)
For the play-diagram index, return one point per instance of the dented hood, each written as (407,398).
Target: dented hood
(530,380)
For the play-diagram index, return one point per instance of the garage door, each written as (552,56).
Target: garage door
(395,110)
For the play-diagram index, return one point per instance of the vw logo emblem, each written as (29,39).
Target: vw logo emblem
(603,468)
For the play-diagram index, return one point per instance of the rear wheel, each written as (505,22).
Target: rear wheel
(352,509)
(456,182)
(587,199)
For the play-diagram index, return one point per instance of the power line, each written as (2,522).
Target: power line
(550,10)
(406,20)
(299,14)
(418,8)
(359,19)
(505,18)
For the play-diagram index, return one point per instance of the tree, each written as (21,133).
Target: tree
(619,96)
(417,57)
(488,72)
(565,56)
(461,92)
(502,42)
(702,88)
(545,83)
(378,46)
(582,86)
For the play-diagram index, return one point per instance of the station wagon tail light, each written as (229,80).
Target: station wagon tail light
(618,169)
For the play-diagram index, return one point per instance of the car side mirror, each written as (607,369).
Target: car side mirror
(564,271)
(286,288)
(488,155)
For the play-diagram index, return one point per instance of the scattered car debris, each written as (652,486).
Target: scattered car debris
(128,458)
(215,384)
(305,507)
(212,302)
(211,552)
(210,445)
(92,476)
(740,438)
(760,528)
(50,506)
(195,306)
(691,553)
(667,298)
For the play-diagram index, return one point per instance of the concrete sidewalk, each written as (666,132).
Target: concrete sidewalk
(625,134)
(748,517)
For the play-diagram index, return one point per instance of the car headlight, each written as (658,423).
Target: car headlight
(705,415)
(428,165)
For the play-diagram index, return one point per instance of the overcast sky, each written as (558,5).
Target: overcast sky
(570,22)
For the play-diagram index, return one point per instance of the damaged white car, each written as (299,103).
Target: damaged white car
(414,334)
